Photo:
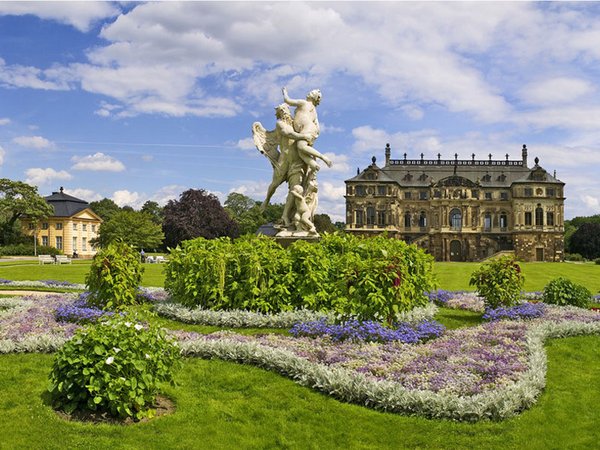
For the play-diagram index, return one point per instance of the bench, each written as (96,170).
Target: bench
(45,259)
(63,259)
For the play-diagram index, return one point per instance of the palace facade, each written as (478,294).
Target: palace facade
(461,210)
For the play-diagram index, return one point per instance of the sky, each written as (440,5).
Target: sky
(142,101)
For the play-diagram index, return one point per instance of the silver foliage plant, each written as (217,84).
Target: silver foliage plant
(354,387)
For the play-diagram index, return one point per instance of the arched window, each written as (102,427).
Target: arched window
(487,222)
(456,219)
(503,220)
(407,220)
(539,216)
(370,215)
(423,219)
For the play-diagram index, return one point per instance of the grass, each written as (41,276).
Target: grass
(227,405)
(74,273)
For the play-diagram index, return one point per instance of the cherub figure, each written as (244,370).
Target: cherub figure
(303,212)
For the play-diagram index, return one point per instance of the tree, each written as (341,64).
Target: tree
(586,240)
(132,227)
(18,199)
(245,211)
(154,210)
(197,213)
(323,223)
(105,208)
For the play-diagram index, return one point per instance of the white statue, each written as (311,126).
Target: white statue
(289,148)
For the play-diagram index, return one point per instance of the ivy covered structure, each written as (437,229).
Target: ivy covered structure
(461,210)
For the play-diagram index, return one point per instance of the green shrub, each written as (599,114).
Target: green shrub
(368,279)
(114,366)
(562,291)
(499,282)
(574,257)
(114,277)
(597,261)
(27,250)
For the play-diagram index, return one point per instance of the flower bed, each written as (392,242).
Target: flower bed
(492,371)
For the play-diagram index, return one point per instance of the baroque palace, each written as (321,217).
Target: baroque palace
(461,210)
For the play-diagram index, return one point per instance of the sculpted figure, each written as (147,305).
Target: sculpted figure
(289,148)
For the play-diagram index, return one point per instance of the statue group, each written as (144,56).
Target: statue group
(289,148)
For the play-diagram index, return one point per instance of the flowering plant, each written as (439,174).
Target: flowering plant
(113,366)
(522,311)
(562,291)
(80,311)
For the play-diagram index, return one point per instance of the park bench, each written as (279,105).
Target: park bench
(63,259)
(45,259)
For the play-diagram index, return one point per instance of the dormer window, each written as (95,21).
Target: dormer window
(502,177)
(487,178)
(423,177)
(371,176)
(408,177)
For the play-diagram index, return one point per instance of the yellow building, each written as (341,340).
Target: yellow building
(70,229)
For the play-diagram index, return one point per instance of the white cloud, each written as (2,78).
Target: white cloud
(97,162)
(166,193)
(246,144)
(37,142)
(340,163)
(2,154)
(85,194)
(591,202)
(4,121)
(127,198)
(39,176)
(147,158)
(81,15)
(18,76)
(556,91)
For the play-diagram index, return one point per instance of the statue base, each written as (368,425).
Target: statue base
(292,236)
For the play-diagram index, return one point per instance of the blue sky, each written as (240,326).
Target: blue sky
(139,102)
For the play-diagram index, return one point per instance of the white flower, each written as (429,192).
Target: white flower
(116,349)
(147,356)
(127,324)
(138,326)
(110,360)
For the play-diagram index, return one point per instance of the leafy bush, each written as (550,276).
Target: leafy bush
(597,261)
(114,366)
(27,250)
(366,279)
(574,257)
(114,277)
(499,282)
(562,291)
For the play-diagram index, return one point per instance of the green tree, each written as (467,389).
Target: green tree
(323,224)
(105,208)
(245,211)
(586,240)
(154,210)
(132,227)
(18,199)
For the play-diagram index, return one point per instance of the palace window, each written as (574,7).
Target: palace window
(93,228)
(59,226)
(487,177)
(360,191)
(423,195)
(456,219)
(74,243)
(83,227)
(550,218)
(539,216)
(370,215)
(528,192)
(488,195)
(407,195)
(503,195)
(423,219)
(45,226)
(84,244)
(381,190)
(550,192)
(503,221)
(487,222)
(407,220)
(31,226)
(528,218)
(475,193)
(359,217)
(74,227)
(381,218)
(59,242)
(45,241)
(437,193)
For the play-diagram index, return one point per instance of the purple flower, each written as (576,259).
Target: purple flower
(519,312)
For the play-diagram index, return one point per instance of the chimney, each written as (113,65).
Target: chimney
(524,152)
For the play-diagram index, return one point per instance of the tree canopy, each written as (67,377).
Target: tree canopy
(586,240)
(197,213)
(132,227)
(154,210)
(18,199)
(105,208)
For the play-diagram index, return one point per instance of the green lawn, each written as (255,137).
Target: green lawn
(455,276)
(227,405)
